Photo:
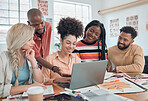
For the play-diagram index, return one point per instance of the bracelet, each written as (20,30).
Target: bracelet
(35,67)
(52,68)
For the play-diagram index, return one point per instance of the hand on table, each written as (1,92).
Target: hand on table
(62,80)
(64,74)
(38,84)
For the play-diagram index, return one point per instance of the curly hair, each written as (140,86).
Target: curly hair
(70,26)
(130,30)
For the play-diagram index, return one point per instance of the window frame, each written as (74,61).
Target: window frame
(56,40)
(8,10)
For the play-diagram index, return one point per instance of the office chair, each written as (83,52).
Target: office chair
(146,65)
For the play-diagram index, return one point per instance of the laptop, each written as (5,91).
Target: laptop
(87,74)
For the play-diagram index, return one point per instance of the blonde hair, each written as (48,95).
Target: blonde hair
(18,35)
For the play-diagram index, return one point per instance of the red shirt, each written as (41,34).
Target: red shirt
(42,46)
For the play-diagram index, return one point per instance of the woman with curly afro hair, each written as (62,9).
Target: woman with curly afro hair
(69,29)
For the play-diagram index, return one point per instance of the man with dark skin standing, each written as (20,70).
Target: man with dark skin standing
(42,37)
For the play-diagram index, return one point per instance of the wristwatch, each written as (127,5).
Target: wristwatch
(52,68)
(35,67)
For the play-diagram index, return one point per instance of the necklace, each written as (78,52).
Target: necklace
(21,69)
(63,58)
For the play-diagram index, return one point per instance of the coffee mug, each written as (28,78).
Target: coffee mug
(35,93)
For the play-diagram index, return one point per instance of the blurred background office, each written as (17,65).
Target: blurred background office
(14,11)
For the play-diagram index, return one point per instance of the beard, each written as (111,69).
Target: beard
(36,32)
(125,46)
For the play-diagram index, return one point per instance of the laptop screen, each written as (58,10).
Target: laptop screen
(87,74)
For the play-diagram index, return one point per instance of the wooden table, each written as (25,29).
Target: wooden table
(142,96)
(56,89)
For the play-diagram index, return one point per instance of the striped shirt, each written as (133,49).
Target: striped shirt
(89,51)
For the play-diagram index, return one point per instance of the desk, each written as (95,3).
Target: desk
(142,96)
(56,89)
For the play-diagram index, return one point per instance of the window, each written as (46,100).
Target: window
(11,12)
(71,9)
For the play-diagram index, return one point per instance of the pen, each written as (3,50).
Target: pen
(72,91)
(136,84)
(68,89)
(84,97)
(74,95)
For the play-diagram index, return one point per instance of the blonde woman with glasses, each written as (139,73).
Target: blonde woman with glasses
(18,67)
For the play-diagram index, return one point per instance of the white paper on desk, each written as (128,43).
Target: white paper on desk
(132,89)
(108,75)
(104,95)
(82,90)
(47,91)
(96,94)
(86,89)
(143,84)
(15,100)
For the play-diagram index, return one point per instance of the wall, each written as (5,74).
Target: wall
(95,6)
(112,3)
(50,15)
(141,11)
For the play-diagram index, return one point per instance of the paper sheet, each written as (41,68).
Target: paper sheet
(94,93)
(47,91)
(108,75)
(144,83)
(132,89)
(104,96)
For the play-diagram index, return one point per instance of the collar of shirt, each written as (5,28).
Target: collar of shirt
(124,51)
(38,38)
(60,59)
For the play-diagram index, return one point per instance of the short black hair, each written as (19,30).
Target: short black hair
(70,26)
(130,30)
(33,12)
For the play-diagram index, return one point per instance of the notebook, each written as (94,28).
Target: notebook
(48,91)
(86,74)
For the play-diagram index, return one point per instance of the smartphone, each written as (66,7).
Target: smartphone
(62,97)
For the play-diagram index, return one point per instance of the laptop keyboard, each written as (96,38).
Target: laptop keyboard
(64,85)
